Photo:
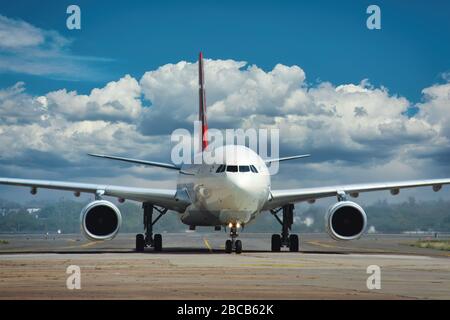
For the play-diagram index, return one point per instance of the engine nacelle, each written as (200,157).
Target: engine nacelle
(100,220)
(345,220)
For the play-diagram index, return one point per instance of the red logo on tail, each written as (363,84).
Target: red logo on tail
(202,103)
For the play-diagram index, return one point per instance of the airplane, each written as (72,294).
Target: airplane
(228,194)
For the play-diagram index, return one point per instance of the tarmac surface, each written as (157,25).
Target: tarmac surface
(194,266)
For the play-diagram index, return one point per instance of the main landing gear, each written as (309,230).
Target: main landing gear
(148,239)
(233,243)
(285,239)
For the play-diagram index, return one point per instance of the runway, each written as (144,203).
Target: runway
(194,266)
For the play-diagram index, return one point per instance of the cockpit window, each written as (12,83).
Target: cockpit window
(244,169)
(232,168)
(223,168)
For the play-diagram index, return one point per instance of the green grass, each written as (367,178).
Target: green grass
(4,242)
(433,244)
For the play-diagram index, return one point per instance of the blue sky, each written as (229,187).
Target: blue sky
(328,39)
(47,128)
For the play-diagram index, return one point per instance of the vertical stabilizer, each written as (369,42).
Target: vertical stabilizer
(202,103)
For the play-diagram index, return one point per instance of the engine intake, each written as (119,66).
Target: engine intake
(345,220)
(100,220)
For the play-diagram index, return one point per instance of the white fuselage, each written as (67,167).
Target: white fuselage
(235,194)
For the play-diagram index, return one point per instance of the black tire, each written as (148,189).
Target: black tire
(276,243)
(157,242)
(140,243)
(238,246)
(293,243)
(228,246)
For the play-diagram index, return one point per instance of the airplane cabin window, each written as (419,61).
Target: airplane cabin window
(232,168)
(244,169)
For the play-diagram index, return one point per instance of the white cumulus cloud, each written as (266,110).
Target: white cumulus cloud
(118,100)
(28,49)
(355,132)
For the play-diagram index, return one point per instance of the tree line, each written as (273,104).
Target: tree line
(384,217)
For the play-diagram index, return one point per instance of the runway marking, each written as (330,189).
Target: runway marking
(207,244)
(90,244)
(274,265)
(85,245)
(320,244)
(324,245)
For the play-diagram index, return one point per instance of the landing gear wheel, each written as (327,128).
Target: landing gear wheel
(150,240)
(157,242)
(276,242)
(293,243)
(140,243)
(228,246)
(238,246)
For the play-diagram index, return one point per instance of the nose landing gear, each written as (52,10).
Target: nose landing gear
(233,243)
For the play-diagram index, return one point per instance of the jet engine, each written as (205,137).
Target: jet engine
(345,220)
(100,220)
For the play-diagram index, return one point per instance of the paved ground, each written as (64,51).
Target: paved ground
(193,266)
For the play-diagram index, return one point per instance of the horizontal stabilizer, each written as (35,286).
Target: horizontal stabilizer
(287,158)
(136,161)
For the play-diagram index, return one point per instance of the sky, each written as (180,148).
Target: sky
(369,105)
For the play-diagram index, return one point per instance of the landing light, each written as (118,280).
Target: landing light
(238,225)
(230,225)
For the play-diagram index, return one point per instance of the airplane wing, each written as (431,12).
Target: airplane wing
(279,198)
(166,198)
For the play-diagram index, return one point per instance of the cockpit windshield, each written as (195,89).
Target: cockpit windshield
(244,169)
(223,168)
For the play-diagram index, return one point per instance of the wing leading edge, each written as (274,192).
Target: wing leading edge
(166,198)
(281,197)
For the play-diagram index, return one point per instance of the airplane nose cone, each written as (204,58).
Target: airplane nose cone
(247,192)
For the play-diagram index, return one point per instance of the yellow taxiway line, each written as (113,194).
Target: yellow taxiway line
(84,245)
(207,244)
